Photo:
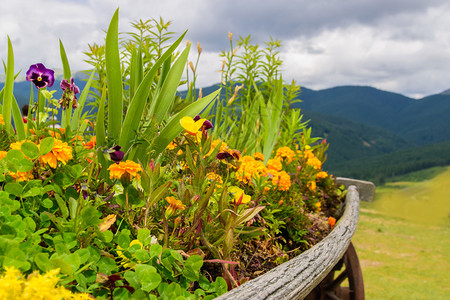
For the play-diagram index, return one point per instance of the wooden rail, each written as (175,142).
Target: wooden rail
(296,278)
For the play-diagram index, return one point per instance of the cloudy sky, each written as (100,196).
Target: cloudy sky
(401,46)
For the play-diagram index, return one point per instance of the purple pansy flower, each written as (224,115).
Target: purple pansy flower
(115,154)
(40,76)
(70,90)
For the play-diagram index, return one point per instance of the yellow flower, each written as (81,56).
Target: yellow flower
(214,176)
(2,122)
(322,174)
(174,205)
(191,126)
(311,185)
(285,153)
(3,154)
(125,259)
(17,145)
(60,152)
(274,165)
(239,196)
(127,168)
(282,180)
(250,168)
(172,145)
(314,162)
(14,285)
(318,206)
(258,156)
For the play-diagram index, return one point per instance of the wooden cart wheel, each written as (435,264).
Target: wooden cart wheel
(345,281)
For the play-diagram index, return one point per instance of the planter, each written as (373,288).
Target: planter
(311,275)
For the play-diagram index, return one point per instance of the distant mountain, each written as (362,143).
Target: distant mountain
(420,122)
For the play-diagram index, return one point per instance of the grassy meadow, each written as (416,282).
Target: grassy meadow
(403,238)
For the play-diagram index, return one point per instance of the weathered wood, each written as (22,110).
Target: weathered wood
(295,278)
(366,188)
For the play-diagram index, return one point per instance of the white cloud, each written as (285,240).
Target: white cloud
(398,45)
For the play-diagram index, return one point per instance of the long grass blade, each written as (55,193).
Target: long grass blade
(18,123)
(166,96)
(114,78)
(136,108)
(75,121)
(8,88)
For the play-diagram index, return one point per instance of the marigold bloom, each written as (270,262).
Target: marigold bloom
(214,176)
(249,168)
(318,206)
(174,205)
(17,145)
(127,168)
(322,174)
(2,122)
(171,146)
(258,156)
(60,152)
(332,222)
(21,176)
(314,162)
(285,153)
(282,180)
(311,185)
(3,154)
(274,164)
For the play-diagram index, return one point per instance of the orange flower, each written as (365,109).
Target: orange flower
(311,185)
(2,122)
(258,156)
(285,153)
(314,162)
(17,145)
(318,206)
(174,205)
(282,180)
(332,222)
(250,168)
(60,152)
(322,174)
(172,146)
(92,144)
(274,165)
(127,168)
(21,176)
(3,154)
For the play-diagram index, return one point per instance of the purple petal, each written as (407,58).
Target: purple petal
(64,84)
(224,155)
(207,124)
(40,75)
(196,118)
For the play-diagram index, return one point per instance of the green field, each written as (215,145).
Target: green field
(403,238)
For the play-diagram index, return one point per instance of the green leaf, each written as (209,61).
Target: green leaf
(155,250)
(75,121)
(8,88)
(65,61)
(73,206)
(13,188)
(17,114)
(47,203)
(148,277)
(124,239)
(30,150)
(141,255)
(46,145)
(42,261)
(83,254)
(15,257)
(132,279)
(173,127)
(114,78)
(61,262)
(144,236)
(192,267)
(62,206)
